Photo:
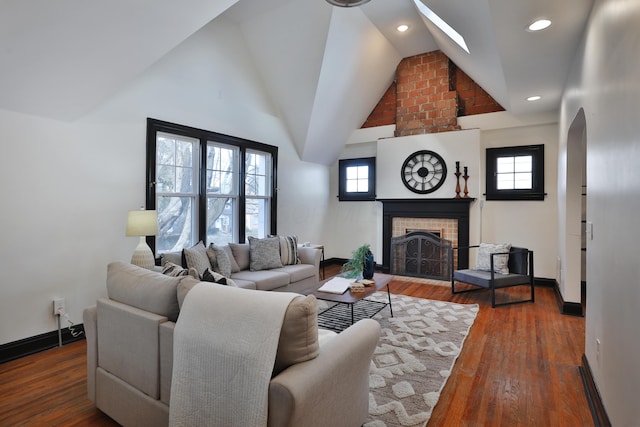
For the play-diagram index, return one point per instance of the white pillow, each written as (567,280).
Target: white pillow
(500,262)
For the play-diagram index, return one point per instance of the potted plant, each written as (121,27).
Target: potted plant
(360,263)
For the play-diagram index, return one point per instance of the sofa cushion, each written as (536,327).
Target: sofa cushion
(196,257)
(265,280)
(241,254)
(173,257)
(298,272)
(144,289)
(264,253)
(298,340)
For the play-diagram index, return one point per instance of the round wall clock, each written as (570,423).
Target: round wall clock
(423,172)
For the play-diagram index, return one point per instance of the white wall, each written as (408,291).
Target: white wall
(67,187)
(605,84)
(531,224)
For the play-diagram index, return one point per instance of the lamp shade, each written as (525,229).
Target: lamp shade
(142,223)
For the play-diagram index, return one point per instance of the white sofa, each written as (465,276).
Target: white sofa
(130,354)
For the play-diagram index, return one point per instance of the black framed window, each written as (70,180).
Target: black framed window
(357,179)
(208,186)
(515,173)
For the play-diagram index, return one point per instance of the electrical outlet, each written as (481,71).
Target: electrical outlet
(58,305)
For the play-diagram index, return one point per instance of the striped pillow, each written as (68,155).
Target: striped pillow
(289,250)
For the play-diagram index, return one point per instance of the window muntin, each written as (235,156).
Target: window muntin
(357,179)
(208,186)
(515,173)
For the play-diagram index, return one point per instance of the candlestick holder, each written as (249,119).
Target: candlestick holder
(466,191)
(457,174)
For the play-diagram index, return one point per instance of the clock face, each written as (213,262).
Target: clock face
(423,172)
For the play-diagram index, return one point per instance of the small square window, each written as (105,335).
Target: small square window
(357,179)
(515,173)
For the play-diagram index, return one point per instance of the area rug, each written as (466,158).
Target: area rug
(414,358)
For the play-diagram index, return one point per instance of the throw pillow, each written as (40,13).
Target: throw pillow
(500,262)
(196,257)
(264,253)
(223,263)
(212,276)
(174,270)
(289,250)
(184,287)
(299,334)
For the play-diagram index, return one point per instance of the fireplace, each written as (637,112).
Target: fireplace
(421,254)
(411,214)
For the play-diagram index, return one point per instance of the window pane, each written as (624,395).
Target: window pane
(174,163)
(363,172)
(363,185)
(352,172)
(220,220)
(505,181)
(523,181)
(175,220)
(523,164)
(258,175)
(221,169)
(256,218)
(352,186)
(505,164)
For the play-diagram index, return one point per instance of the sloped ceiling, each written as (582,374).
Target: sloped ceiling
(324,67)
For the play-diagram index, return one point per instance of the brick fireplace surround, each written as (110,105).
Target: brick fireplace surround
(414,209)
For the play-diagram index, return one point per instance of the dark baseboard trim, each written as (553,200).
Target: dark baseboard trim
(334,261)
(545,283)
(25,347)
(600,417)
(568,308)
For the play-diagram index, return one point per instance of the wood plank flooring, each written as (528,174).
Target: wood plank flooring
(518,367)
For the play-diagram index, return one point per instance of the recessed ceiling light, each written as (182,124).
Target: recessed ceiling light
(534,98)
(539,24)
(402,28)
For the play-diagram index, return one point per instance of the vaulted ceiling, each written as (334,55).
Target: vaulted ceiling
(324,67)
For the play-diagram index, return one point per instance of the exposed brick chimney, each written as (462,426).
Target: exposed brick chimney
(430,93)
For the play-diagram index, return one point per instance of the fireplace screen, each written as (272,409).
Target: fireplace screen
(421,254)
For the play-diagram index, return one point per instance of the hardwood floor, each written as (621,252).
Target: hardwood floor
(518,367)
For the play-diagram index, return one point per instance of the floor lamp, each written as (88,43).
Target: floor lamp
(142,223)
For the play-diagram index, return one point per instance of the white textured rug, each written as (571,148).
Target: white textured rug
(414,358)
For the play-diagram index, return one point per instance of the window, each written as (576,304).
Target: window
(208,186)
(515,173)
(357,180)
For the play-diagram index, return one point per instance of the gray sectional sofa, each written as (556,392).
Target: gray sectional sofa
(294,277)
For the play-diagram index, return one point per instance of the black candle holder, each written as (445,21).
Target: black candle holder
(457,174)
(466,177)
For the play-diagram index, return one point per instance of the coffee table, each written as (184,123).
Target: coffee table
(352,306)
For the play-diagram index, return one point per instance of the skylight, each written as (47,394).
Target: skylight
(439,22)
